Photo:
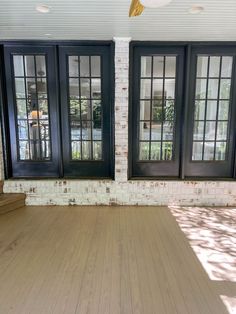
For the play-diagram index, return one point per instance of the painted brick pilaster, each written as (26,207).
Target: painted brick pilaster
(121,107)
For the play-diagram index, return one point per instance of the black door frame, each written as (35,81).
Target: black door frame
(160,169)
(82,168)
(210,169)
(28,168)
(186,110)
(4,86)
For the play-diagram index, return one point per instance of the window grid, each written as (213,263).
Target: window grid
(151,105)
(33,146)
(162,105)
(217,107)
(92,145)
(223,142)
(204,128)
(165,145)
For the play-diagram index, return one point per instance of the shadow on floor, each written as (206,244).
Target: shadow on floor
(211,233)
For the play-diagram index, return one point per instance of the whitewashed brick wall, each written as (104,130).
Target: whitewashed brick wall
(121,108)
(121,191)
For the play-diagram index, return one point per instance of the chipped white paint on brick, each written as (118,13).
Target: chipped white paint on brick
(106,192)
(121,191)
(121,108)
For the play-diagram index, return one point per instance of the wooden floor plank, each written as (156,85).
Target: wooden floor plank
(101,260)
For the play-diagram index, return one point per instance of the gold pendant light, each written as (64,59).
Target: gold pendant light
(136,8)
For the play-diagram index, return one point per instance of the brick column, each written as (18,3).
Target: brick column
(121,107)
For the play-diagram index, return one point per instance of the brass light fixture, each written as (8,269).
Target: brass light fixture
(136,8)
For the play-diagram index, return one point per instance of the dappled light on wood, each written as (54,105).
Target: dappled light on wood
(230,303)
(212,235)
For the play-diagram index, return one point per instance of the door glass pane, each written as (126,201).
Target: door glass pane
(95,66)
(18,65)
(40,65)
(210,130)
(222,131)
(29,65)
(214,69)
(212,88)
(201,89)
(144,150)
(76,150)
(208,151)
(197,151)
(84,66)
(75,129)
(225,88)
(198,130)
(170,67)
(157,89)
(20,87)
(169,110)
(32,107)
(86,150)
(21,109)
(202,64)
(169,89)
(157,112)
(85,88)
(167,131)
(220,151)
(167,150)
(74,89)
(199,110)
(146,64)
(211,110)
(97,150)
(97,113)
(145,107)
(96,88)
(144,129)
(73,66)
(85,107)
(224,110)
(227,66)
(155,151)
(210,135)
(145,89)
(158,66)
(156,131)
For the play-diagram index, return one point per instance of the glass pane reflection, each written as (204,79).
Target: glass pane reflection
(32,107)
(85,107)
(211,116)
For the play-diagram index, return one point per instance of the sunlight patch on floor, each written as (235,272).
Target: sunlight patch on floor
(230,303)
(212,235)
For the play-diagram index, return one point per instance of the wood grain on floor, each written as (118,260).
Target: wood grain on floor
(116,260)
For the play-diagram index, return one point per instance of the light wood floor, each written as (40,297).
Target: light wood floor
(116,260)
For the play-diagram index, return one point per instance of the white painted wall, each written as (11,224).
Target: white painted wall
(121,191)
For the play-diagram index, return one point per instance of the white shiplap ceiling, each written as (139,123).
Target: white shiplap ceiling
(105,19)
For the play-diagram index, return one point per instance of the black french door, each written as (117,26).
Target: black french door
(86,112)
(59,113)
(210,148)
(157,98)
(32,104)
